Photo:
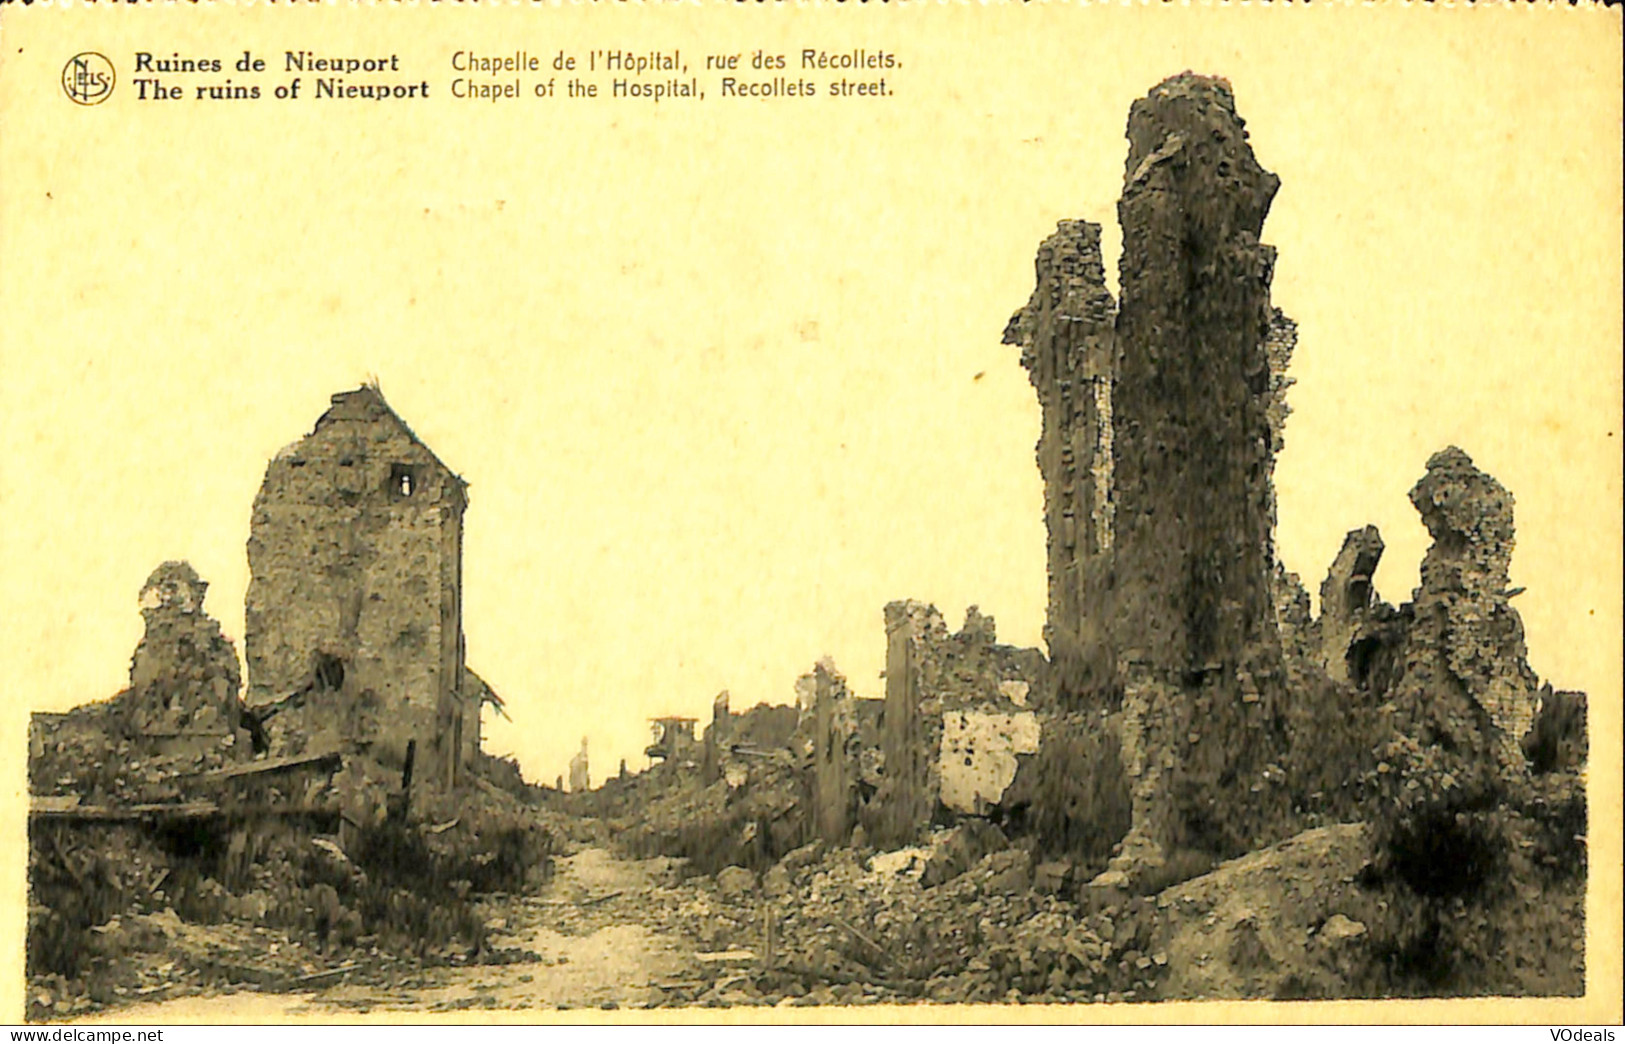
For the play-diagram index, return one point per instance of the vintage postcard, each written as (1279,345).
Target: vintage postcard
(813,511)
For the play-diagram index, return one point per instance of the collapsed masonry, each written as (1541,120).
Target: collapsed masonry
(180,713)
(354,611)
(1452,662)
(184,678)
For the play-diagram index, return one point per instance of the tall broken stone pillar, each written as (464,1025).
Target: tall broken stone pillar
(905,799)
(1193,453)
(835,764)
(1066,337)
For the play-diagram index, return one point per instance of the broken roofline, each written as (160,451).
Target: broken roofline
(372,390)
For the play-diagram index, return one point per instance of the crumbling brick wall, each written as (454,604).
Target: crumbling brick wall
(1467,687)
(184,677)
(959,708)
(1193,436)
(355,551)
(1065,333)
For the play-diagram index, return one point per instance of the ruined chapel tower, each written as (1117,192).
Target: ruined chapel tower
(1194,621)
(354,611)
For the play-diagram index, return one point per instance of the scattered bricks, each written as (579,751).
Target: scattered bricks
(1052,878)
(777,882)
(735,882)
(1339,930)
(1005,873)
(804,856)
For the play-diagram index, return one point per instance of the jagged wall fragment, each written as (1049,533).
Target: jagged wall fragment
(184,677)
(1466,683)
(1347,598)
(835,755)
(1065,332)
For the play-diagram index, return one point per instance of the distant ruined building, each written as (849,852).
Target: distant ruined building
(354,625)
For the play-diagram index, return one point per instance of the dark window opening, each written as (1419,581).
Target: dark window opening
(329,673)
(403,480)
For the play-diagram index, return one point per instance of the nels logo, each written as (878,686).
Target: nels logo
(88,78)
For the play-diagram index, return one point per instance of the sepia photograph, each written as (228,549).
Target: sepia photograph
(931,512)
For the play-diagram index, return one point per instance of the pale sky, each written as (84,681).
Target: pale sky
(725,379)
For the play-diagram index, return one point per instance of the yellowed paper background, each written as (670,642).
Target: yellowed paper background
(725,374)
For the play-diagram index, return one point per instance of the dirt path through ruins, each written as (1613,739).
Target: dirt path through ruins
(585,927)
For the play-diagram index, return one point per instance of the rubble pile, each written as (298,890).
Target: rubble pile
(836,926)
(1479,821)
(178,717)
(164,858)
(753,815)
(277,906)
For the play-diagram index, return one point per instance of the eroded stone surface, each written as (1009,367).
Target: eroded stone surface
(1347,598)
